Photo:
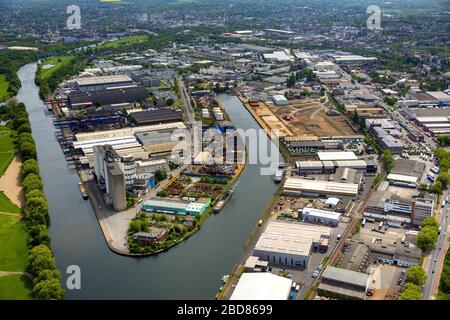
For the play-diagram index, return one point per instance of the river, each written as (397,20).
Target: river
(191,270)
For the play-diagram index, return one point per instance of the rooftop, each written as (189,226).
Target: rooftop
(336,155)
(261,286)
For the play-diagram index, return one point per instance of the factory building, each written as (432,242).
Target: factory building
(183,207)
(290,243)
(339,283)
(297,186)
(100,82)
(115,187)
(327,218)
(280,100)
(329,167)
(262,286)
(150,117)
(336,156)
(386,206)
(84,99)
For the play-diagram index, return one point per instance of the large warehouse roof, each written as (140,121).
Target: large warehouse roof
(262,286)
(402,178)
(332,215)
(111,96)
(336,155)
(156,116)
(345,276)
(102,79)
(320,187)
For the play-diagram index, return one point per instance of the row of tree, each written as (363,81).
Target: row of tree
(428,234)
(46,278)
(444,284)
(415,280)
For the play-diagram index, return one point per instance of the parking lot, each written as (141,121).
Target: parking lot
(388,282)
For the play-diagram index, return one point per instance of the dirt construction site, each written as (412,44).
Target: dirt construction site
(309,117)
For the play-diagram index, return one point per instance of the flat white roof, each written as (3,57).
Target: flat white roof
(402,178)
(322,213)
(336,155)
(432,119)
(261,286)
(321,187)
(102,79)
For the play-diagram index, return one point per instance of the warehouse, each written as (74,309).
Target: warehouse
(328,218)
(402,180)
(336,156)
(280,100)
(290,243)
(338,283)
(176,206)
(156,116)
(328,167)
(297,186)
(262,286)
(115,142)
(100,83)
(84,99)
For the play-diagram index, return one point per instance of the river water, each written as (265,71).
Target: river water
(190,270)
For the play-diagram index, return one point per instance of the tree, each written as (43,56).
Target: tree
(444,179)
(47,275)
(29,166)
(411,292)
(134,227)
(416,275)
(25,137)
(38,235)
(170,101)
(160,175)
(27,150)
(24,128)
(41,258)
(436,188)
(430,221)
(32,182)
(427,237)
(48,290)
(34,193)
(37,203)
(388,160)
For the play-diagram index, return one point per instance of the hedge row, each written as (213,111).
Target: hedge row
(46,278)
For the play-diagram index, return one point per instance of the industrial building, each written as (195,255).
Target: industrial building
(327,218)
(290,243)
(100,82)
(84,99)
(150,117)
(115,186)
(386,206)
(310,143)
(280,100)
(329,167)
(336,156)
(342,283)
(262,286)
(297,186)
(176,206)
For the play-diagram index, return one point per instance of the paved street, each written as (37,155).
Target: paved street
(436,257)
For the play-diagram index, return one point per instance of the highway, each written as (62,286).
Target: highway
(437,255)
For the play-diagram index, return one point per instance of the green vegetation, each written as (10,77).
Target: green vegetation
(4,85)
(305,73)
(160,175)
(428,234)
(63,67)
(13,237)
(36,216)
(415,280)
(388,160)
(15,287)
(56,64)
(444,283)
(6,205)
(11,61)
(7,147)
(214,180)
(444,141)
(377,181)
(172,224)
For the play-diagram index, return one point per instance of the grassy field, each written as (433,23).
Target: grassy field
(13,239)
(7,149)
(57,62)
(6,205)
(123,42)
(3,88)
(15,287)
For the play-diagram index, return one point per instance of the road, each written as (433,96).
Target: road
(437,255)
